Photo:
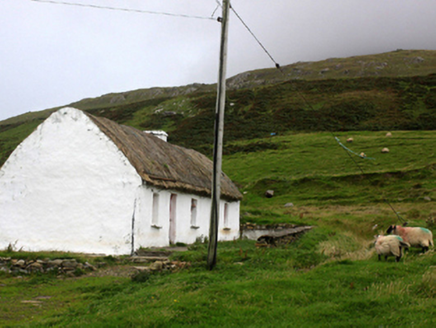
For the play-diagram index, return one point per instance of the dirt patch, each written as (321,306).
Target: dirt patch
(113,271)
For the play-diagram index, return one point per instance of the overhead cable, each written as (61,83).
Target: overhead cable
(254,36)
(123,9)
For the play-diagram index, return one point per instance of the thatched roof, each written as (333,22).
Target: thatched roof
(164,165)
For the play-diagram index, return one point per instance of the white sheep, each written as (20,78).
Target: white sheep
(389,245)
(415,236)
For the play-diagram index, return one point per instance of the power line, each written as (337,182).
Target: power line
(217,6)
(123,9)
(254,36)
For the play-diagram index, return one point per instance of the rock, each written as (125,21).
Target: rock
(20,263)
(385,150)
(142,268)
(118,99)
(269,193)
(54,263)
(428,199)
(156,266)
(35,267)
(289,205)
(69,265)
(90,266)
(3,269)
(417,60)
(169,113)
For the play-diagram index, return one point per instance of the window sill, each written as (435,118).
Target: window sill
(195,227)
(156,226)
(227,229)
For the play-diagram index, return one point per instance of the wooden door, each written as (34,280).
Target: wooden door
(173,218)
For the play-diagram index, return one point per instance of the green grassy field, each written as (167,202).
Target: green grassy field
(330,277)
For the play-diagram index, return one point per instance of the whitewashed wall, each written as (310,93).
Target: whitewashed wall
(67,187)
(147,236)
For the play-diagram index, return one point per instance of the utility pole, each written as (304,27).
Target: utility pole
(218,143)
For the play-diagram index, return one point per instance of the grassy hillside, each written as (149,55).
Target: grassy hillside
(321,280)
(391,91)
(406,103)
(281,137)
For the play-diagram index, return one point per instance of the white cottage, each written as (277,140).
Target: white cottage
(82,183)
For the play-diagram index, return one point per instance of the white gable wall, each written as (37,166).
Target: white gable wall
(67,187)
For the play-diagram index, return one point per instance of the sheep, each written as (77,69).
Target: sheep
(415,236)
(389,245)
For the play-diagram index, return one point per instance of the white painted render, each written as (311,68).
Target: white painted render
(67,187)
(147,234)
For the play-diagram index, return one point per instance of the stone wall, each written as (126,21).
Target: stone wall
(68,267)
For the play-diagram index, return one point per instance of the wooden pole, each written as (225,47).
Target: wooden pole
(218,143)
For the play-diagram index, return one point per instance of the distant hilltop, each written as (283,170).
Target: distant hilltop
(397,63)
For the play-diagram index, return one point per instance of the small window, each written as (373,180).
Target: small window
(155,211)
(194,203)
(226,216)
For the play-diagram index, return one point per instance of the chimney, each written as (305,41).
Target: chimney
(159,133)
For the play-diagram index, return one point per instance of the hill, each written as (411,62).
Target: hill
(391,64)
(278,136)
(392,91)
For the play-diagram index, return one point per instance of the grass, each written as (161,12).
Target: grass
(252,287)
(329,277)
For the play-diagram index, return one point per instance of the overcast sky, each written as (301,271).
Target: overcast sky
(52,55)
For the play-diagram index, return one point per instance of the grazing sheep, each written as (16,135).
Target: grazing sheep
(415,236)
(389,245)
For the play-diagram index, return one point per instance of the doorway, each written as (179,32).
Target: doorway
(173,217)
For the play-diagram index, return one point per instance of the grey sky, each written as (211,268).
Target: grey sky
(52,55)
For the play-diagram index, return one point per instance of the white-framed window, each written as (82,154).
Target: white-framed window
(194,205)
(155,211)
